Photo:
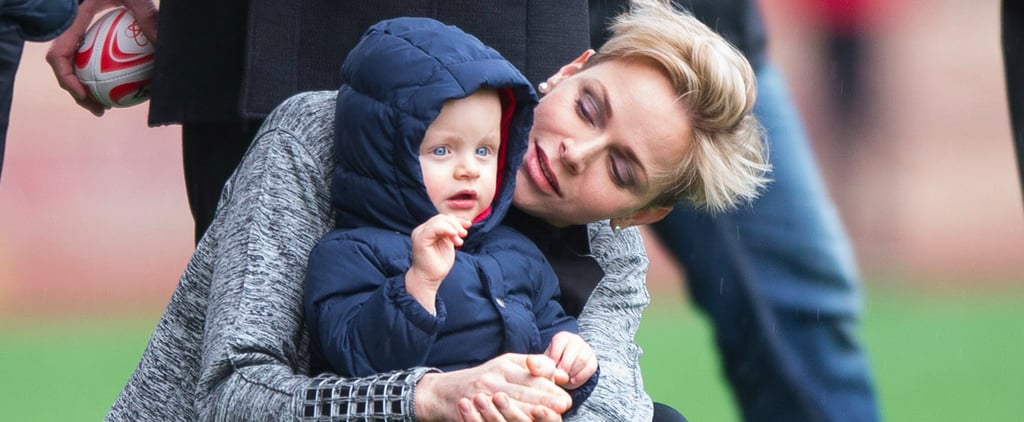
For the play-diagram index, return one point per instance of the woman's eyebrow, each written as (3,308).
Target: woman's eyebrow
(602,94)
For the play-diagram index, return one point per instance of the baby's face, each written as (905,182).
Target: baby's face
(459,155)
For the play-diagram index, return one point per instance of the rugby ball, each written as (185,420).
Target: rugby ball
(115,60)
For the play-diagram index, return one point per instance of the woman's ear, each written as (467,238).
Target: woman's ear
(643,216)
(569,69)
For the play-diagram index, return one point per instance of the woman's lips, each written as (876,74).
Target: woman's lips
(540,172)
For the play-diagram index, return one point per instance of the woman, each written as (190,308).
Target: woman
(662,112)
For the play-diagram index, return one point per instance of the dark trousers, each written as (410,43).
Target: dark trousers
(1013,62)
(11,45)
(210,153)
(663,413)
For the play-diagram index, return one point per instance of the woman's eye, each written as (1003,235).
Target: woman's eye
(622,174)
(585,108)
(483,151)
(442,150)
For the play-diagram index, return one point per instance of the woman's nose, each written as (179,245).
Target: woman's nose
(576,154)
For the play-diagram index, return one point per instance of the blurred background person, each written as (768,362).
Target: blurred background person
(777,278)
(844,37)
(1013,64)
(20,21)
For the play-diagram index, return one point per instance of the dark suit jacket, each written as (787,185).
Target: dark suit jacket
(223,59)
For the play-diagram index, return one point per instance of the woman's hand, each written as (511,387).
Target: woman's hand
(510,387)
(61,56)
(501,408)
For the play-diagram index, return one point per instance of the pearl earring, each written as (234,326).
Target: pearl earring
(616,229)
(543,87)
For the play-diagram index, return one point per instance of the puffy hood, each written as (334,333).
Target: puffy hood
(394,83)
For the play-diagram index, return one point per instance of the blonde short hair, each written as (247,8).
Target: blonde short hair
(727,162)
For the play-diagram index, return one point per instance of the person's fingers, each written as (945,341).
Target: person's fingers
(484,404)
(512,411)
(540,366)
(438,227)
(556,349)
(61,55)
(529,379)
(543,414)
(571,352)
(457,235)
(460,225)
(574,356)
(146,15)
(583,369)
(468,412)
(62,52)
(439,396)
(93,106)
(502,408)
(450,227)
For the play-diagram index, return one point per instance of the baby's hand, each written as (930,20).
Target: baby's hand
(433,254)
(574,356)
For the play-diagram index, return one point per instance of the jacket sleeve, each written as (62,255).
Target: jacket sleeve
(37,20)
(359,313)
(231,344)
(609,323)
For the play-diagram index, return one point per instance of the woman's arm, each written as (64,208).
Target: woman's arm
(609,323)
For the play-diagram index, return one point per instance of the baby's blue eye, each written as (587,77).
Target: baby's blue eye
(483,151)
(441,150)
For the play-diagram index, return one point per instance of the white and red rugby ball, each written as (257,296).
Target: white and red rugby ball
(115,60)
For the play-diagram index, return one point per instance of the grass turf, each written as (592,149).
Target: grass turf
(935,357)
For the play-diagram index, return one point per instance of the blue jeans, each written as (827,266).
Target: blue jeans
(11,45)
(779,282)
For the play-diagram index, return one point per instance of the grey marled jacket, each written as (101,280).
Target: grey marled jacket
(231,344)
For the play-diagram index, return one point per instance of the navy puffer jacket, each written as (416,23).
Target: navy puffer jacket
(500,296)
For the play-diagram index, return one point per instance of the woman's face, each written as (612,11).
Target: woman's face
(600,139)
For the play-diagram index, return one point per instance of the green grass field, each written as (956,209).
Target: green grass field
(952,355)
(936,356)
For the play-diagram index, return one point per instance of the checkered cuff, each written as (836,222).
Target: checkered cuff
(382,397)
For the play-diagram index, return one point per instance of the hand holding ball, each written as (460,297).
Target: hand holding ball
(115,60)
